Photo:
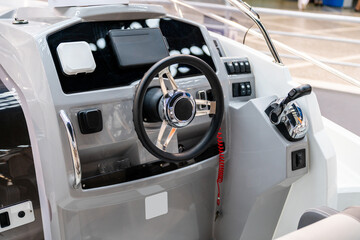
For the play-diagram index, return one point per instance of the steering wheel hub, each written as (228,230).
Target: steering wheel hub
(179,108)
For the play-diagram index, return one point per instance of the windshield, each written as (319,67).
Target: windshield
(235,19)
(221,19)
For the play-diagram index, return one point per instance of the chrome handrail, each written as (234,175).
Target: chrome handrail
(248,10)
(74,149)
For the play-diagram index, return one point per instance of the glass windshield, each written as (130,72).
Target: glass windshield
(222,19)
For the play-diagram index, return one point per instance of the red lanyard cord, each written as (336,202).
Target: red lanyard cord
(220,177)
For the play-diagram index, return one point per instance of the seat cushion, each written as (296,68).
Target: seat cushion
(313,215)
(344,226)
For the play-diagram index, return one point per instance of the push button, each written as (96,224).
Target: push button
(90,121)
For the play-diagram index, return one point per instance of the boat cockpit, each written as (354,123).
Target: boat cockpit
(127,122)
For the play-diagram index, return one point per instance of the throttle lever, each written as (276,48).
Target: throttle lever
(298,92)
(287,115)
(294,94)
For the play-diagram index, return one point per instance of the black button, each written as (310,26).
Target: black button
(248,88)
(235,89)
(242,89)
(90,121)
(4,220)
(230,67)
(292,93)
(21,214)
(237,67)
(247,67)
(298,159)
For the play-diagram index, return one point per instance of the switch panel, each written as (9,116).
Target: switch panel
(238,67)
(16,216)
(241,89)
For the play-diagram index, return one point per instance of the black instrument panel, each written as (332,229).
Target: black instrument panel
(182,38)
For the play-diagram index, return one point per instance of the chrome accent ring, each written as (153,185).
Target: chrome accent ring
(170,105)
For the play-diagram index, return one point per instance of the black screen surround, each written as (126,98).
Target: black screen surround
(182,38)
(137,47)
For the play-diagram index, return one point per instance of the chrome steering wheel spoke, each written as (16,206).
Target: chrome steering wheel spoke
(163,146)
(210,104)
(166,72)
(168,139)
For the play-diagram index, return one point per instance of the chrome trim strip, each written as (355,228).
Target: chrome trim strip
(74,149)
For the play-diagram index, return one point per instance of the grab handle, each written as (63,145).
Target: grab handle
(73,147)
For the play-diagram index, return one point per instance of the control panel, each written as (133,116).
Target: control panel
(16,216)
(241,78)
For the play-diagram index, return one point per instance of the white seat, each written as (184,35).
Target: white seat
(341,226)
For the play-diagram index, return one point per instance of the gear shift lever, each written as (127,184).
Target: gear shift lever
(287,116)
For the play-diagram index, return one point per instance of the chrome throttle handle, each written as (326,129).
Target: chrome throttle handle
(287,115)
(294,94)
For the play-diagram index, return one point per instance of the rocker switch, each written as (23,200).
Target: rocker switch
(90,121)
(230,67)
(247,67)
(298,159)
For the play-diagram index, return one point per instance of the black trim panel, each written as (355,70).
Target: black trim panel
(179,36)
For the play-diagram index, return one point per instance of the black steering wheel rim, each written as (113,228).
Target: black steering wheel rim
(216,121)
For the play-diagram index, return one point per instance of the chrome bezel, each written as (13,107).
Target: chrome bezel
(169,105)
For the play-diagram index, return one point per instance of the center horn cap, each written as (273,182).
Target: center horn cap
(179,108)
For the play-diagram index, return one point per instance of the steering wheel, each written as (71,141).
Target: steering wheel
(177,108)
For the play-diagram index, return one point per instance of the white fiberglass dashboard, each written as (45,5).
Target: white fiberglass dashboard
(124,158)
